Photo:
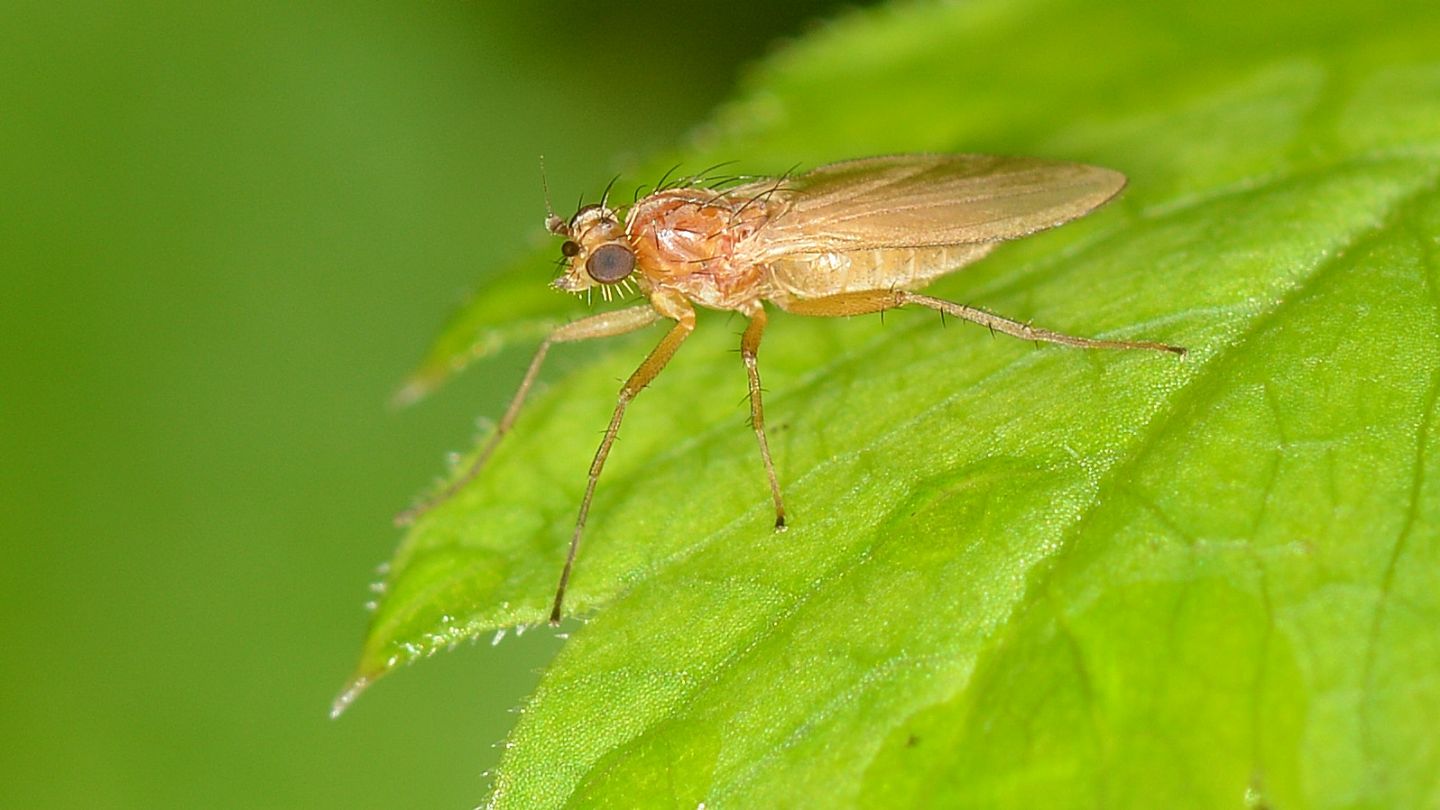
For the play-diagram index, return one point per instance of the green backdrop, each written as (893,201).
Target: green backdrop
(227,230)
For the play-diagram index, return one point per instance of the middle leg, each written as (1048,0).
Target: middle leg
(749,348)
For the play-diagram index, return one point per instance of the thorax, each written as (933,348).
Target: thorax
(685,239)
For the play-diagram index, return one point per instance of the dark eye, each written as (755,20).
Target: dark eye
(569,248)
(610,263)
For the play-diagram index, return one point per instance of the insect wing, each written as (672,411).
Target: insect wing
(906,201)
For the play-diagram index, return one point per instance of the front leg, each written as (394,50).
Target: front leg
(605,324)
(684,316)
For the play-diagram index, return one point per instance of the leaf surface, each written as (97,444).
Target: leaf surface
(1016,576)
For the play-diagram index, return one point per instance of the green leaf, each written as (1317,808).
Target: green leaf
(1018,576)
(513,310)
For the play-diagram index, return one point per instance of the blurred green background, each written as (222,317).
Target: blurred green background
(226,232)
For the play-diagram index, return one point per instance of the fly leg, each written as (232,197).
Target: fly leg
(860,303)
(684,324)
(749,347)
(606,324)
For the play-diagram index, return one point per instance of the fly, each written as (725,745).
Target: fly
(849,238)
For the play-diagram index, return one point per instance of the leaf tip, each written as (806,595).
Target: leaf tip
(347,695)
(412,391)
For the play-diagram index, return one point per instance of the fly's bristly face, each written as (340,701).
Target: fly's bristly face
(596,252)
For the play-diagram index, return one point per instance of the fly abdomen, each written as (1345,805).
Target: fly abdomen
(813,275)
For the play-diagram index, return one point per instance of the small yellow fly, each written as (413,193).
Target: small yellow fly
(848,238)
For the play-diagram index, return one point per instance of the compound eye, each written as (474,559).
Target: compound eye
(610,263)
(569,249)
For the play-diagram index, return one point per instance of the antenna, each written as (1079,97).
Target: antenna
(553,224)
